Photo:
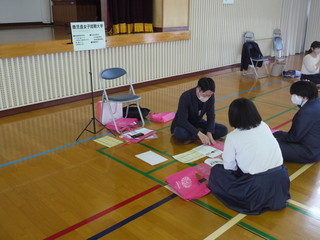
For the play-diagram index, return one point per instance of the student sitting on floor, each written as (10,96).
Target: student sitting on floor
(188,124)
(251,179)
(302,143)
(310,69)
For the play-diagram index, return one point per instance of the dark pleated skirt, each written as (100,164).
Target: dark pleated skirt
(251,194)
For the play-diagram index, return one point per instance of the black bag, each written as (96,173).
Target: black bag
(134,113)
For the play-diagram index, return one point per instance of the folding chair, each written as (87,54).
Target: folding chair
(111,74)
(278,45)
(252,57)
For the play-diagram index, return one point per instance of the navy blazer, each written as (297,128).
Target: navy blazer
(250,49)
(305,128)
(187,115)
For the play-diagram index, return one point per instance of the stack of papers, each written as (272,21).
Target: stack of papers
(189,156)
(108,141)
(198,153)
(208,151)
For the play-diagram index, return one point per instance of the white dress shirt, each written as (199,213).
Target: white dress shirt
(309,64)
(254,151)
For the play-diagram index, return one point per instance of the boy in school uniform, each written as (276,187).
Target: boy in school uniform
(188,124)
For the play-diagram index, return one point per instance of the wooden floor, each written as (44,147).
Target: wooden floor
(52,187)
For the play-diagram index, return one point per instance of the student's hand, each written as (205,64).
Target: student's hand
(212,141)
(203,138)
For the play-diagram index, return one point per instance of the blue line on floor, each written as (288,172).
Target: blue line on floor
(235,94)
(131,218)
(69,145)
(52,150)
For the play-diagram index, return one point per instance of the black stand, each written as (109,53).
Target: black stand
(93,119)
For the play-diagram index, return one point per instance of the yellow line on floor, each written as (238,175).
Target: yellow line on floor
(300,171)
(312,210)
(240,216)
(225,227)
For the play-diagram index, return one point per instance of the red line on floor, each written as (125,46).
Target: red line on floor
(282,124)
(98,215)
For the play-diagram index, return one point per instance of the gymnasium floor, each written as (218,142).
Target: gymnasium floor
(52,187)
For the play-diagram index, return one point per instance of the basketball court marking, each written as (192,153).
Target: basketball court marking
(100,214)
(300,171)
(226,226)
(238,218)
(85,140)
(131,218)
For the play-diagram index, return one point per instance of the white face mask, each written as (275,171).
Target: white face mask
(203,99)
(317,51)
(295,99)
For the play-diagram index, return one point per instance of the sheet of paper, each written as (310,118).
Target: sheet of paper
(151,157)
(108,141)
(189,156)
(208,151)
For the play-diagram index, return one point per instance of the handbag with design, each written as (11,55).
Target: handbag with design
(187,185)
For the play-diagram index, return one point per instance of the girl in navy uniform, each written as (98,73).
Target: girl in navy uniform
(251,179)
(302,143)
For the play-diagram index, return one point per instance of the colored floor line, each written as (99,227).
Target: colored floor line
(243,225)
(300,171)
(232,222)
(216,211)
(85,140)
(58,148)
(133,217)
(100,214)
(311,212)
(132,168)
(272,104)
(226,227)
(235,94)
(282,124)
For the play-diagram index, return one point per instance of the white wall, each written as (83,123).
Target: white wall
(313,28)
(20,11)
(216,40)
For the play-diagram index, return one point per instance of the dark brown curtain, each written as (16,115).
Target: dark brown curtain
(130,16)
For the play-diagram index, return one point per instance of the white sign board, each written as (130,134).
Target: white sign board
(88,35)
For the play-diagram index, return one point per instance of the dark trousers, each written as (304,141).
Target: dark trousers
(183,134)
(315,78)
(292,152)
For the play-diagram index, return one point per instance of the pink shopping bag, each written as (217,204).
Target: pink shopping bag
(186,184)
(116,109)
(123,124)
(162,117)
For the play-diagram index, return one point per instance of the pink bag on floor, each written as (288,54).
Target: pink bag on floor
(186,184)
(123,124)
(162,117)
(116,109)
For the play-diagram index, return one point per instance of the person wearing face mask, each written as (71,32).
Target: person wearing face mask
(302,143)
(310,69)
(188,124)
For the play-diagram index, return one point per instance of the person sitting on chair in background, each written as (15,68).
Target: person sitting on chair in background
(310,69)
(252,178)
(193,104)
(301,144)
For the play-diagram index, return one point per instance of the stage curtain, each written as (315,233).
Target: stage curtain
(130,16)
